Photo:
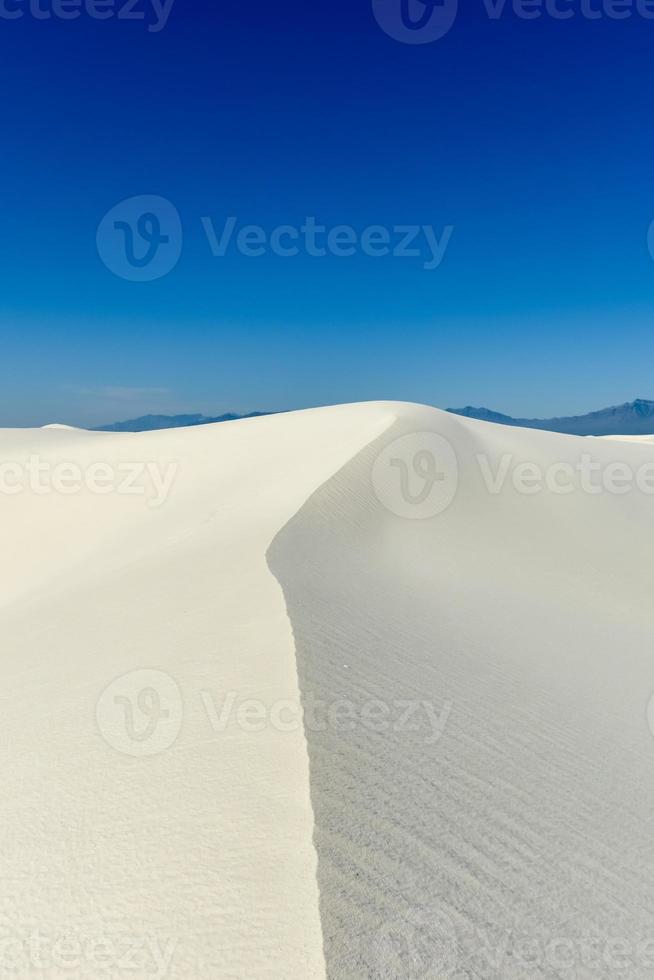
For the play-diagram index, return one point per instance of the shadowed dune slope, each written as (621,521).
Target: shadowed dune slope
(475,686)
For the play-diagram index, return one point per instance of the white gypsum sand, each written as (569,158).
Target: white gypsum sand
(471,794)
(197,861)
(483,788)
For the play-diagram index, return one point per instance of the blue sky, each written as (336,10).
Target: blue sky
(531,139)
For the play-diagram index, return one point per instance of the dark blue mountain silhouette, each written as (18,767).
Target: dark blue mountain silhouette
(147,423)
(631,419)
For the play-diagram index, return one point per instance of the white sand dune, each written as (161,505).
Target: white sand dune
(472,792)
(637,439)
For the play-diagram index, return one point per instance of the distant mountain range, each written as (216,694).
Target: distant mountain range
(148,423)
(631,419)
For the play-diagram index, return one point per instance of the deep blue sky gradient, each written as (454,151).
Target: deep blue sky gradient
(533,139)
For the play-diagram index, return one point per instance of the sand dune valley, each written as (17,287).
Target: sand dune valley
(356,692)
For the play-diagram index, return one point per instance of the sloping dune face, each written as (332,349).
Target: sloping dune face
(473,619)
(154,821)
(463,611)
